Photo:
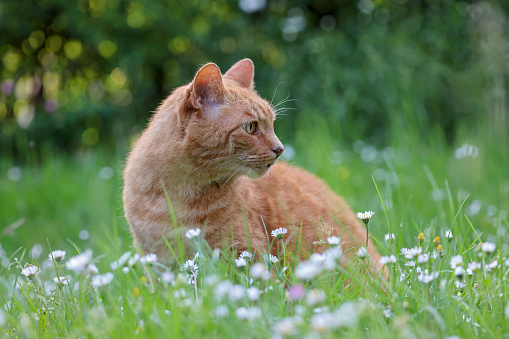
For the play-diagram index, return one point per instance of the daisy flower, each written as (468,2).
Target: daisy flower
(57,255)
(362,252)
(366,216)
(102,280)
(270,258)
(488,247)
(193,233)
(389,237)
(279,232)
(30,271)
(456,261)
(246,255)
(333,240)
(388,259)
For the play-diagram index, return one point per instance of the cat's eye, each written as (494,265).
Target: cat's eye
(251,127)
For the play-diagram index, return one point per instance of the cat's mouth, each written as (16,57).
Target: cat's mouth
(265,166)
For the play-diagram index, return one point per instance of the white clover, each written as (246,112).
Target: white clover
(121,261)
(333,240)
(448,234)
(315,296)
(270,258)
(456,261)
(459,271)
(246,255)
(57,255)
(193,233)
(307,270)
(241,262)
(253,293)
(61,281)
(249,314)
(422,258)
(365,216)
(102,280)
(30,271)
(148,259)
(362,252)
(279,232)
(388,259)
(488,247)
(411,253)
(259,271)
(81,262)
(389,237)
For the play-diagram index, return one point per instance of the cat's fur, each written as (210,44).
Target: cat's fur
(196,146)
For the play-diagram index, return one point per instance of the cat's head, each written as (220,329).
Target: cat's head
(229,127)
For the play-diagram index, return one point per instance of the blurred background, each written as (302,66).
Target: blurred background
(411,95)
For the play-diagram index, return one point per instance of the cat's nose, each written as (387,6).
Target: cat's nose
(278,150)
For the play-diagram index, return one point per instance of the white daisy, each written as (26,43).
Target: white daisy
(362,252)
(249,314)
(315,296)
(448,234)
(426,278)
(167,277)
(30,271)
(193,233)
(253,293)
(459,271)
(422,258)
(148,259)
(307,270)
(488,247)
(81,262)
(474,266)
(365,216)
(388,259)
(410,253)
(57,255)
(459,284)
(190,268)
(102,280)
(333,240)
(121,261)
(241,262)
(61,281)
(456,261)
(270,258)
(259,271)
(279,232)
(389,237)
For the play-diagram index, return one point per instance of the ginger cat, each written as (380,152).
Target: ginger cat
(212,144)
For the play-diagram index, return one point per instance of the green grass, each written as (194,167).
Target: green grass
(59,197)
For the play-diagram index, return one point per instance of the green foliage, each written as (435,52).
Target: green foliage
(79,74)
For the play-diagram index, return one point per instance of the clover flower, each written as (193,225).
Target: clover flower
(57,255)
(388,259)
(456,261)
(102,280)
(30,271)
(194,232)
(279,232)
(488,247)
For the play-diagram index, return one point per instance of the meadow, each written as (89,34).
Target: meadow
(400,107)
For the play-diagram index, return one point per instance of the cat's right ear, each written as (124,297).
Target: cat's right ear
(208,87)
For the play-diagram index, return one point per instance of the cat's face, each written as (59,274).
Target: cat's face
(232,131)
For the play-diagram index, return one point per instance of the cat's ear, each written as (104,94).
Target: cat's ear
(242,72)
(208,86)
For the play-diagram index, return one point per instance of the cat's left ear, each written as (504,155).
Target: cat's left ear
(242,72)
(208,87)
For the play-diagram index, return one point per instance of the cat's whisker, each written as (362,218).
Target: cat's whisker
(220,167)
(275,91)
(234,156)
(285,100)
